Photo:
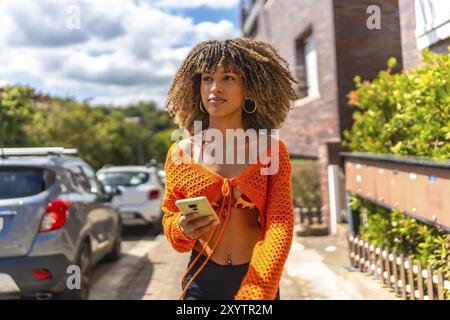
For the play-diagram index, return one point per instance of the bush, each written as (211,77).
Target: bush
(306,183)
(405,114)
(402,234)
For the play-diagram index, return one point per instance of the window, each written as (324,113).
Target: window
(18,182)
(79,179)
(432,22)
(126,179)
(306,66)
(94,185)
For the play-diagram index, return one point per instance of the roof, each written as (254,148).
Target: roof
(127,169)
(41,161)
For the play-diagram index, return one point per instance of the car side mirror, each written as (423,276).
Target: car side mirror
(112,190)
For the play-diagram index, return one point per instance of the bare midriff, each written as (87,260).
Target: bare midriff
(238,240)
(243,228)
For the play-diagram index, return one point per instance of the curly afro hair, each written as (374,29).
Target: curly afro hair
(266,75)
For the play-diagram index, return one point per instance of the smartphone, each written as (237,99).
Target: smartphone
(199,205)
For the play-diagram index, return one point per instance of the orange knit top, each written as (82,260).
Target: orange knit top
(272,195)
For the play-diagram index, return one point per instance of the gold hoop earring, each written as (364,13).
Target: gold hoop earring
(254,106)
(201,108)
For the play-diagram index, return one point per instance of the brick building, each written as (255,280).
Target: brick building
(326,43)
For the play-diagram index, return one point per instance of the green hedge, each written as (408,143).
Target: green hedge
(306,183)
(406,113)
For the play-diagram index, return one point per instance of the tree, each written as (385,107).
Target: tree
(16,110)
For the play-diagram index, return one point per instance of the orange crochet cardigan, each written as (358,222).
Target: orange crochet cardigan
(272,195)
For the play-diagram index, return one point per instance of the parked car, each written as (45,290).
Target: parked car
(162,175)
(141,193)
(54,214)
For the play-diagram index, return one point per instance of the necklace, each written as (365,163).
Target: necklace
(229,261)
(203,145)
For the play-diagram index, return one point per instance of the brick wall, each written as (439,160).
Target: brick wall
(345,48)
(280,24)
(411,56)
(360,50)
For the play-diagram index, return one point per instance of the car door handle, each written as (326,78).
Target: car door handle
(7,213)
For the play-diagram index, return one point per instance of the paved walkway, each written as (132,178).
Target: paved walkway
(315,269)
(323,264)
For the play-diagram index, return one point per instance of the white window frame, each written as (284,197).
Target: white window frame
(432,22)
(312,70)
(311,66)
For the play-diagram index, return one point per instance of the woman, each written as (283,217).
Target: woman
(239,84)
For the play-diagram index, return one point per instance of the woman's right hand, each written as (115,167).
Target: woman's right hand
(194,227)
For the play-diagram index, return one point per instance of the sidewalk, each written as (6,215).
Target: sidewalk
(316,268)
(322,265)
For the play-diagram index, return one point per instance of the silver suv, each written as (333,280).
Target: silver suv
(55,220)
(141,191)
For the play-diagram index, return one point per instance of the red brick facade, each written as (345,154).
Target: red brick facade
(280,24)
(411,56)
(345,48)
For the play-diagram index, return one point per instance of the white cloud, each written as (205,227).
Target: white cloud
(124,51)
(214,4)
(128,98)
(211,30)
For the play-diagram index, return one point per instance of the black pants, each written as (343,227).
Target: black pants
(215,281)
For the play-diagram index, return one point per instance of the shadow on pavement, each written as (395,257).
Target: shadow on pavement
(128,278)
(136,233)
(134,286)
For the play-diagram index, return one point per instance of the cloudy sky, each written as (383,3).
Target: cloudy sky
(109,51)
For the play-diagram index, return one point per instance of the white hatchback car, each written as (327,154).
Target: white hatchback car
(141,192)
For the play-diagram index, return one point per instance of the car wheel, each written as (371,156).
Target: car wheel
(85,263)
(116,252)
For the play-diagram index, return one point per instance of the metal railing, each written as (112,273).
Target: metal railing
(9,152)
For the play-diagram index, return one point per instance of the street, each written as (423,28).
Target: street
(118,280)
(151,270)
